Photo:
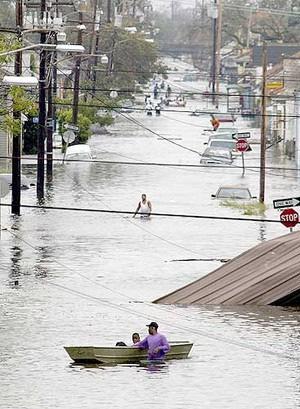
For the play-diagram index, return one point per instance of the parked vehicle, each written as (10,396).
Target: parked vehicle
(225,129)
(216,156)
(233,192)
(223,136)
(78,152)
(223,143)
(56,140)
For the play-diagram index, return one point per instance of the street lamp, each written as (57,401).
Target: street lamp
(66,48)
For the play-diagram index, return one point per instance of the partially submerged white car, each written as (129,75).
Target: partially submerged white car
(80,152)
(233,192)
(216,156)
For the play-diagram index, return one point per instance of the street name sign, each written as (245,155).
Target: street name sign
(242,145)
(290,202)
(72,127)
(289,218)
(243,135)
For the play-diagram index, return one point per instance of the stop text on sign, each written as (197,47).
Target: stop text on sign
(289,218)
(242,145)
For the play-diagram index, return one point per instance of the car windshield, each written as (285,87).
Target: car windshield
(233,193)
(220,153)
(223,144)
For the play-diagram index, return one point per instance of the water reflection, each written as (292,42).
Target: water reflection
(262,232)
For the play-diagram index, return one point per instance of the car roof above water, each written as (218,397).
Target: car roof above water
(77,149)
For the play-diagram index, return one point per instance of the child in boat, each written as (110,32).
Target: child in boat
(135,337)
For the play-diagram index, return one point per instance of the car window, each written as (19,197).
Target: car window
(223,144)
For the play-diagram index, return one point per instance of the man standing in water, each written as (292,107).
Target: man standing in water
(144,207)
(156,343)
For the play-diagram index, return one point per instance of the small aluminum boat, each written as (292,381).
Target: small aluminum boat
(123,354)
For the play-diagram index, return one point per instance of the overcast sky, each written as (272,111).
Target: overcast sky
(166,4)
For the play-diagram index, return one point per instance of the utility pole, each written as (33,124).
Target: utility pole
(77,74)
(214,48)
(263,127)
(42,110)
(92,45)
(16,148)
(218,52)
(108,11)
(297,112)
(50,118)
(173,10)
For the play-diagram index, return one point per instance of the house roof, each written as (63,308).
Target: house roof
(275,53)
(266,274)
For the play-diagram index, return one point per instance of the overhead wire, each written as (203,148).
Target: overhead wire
(161,214)
(115,306)
(140,314)
(212,111)
(191,330)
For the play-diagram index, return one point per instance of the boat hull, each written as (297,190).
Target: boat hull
(122,355)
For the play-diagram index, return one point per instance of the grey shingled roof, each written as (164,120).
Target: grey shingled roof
(266,274)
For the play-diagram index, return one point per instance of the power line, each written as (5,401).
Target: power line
(182,92)
(126,212)
(116,108)
(190,330)
(159,164)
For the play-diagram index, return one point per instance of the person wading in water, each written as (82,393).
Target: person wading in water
(144,207)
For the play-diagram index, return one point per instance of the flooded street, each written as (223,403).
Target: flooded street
(89,278)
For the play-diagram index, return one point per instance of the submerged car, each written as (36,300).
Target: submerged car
(216,156)
(222,143)
(228,136)
(233,192)
(78,152)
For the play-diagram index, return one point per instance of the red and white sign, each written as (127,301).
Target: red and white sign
(289,217)
(242,145)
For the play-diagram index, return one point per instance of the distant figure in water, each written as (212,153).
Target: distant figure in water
(144,207)
(215,122)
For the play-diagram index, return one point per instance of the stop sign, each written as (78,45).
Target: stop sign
(289,217)
(241,145)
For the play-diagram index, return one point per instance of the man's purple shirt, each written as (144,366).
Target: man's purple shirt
(151,342)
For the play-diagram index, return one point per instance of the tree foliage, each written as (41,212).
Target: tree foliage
(270,20)
(131,58)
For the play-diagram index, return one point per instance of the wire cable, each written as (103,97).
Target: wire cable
(131,213)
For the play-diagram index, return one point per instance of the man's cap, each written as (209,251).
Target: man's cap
(153,324)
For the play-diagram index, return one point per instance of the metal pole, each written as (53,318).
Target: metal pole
(263,127)
(77,75)
(16,148)
(243,164)
(42,113)
(108,11)
(50,125)
(297,113)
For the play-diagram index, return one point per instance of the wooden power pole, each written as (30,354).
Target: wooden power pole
(77,74)
(16,148)
(218,52)
(42,112)
(263,127)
